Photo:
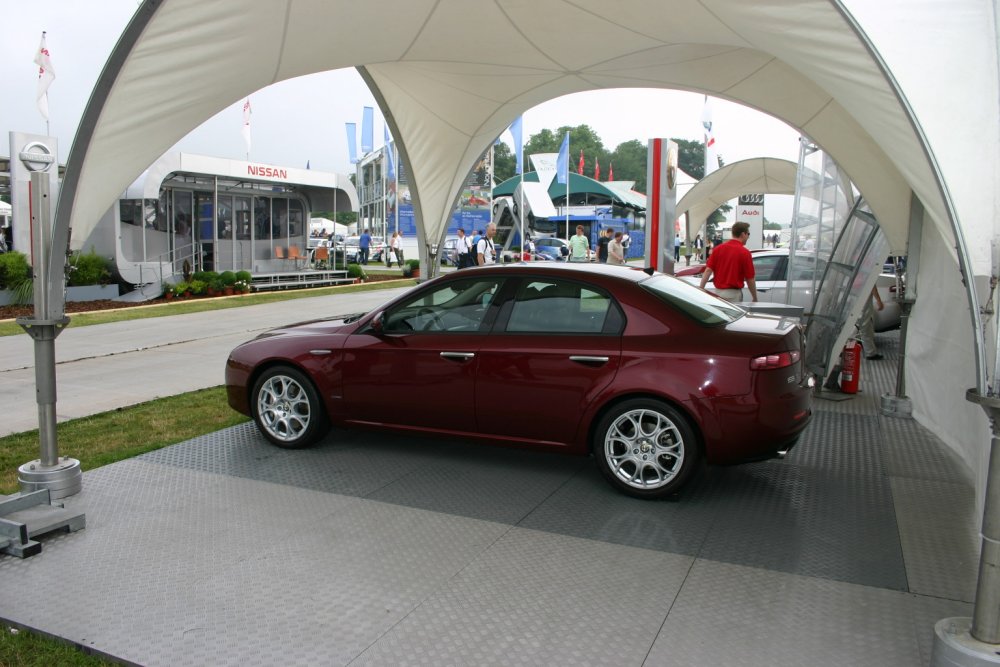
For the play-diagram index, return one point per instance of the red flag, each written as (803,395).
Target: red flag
(579,167)
(611,171)
(597,170)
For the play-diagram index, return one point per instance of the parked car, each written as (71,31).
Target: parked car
(771,269)
(552,248)
(648,373)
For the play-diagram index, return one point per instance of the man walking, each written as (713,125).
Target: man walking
(579,246)
(364,244)
(462,250)
(732,265)
(485,252)
(602,245)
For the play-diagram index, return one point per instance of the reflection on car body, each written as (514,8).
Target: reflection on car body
(649,374)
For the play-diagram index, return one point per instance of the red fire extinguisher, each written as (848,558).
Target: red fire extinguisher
(850,373)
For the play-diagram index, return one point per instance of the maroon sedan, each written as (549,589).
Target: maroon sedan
(648,373)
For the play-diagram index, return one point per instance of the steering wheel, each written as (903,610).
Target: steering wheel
(434,318)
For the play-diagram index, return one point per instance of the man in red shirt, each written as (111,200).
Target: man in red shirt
(732,266)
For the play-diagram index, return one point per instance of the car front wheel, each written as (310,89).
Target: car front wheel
(645,448)
(287,408)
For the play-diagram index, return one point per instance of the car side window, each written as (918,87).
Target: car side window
(454,306)
(765,267)
(554,306)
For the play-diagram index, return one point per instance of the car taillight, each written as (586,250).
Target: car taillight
(772,361)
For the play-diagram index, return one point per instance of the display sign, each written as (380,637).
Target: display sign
(750,209)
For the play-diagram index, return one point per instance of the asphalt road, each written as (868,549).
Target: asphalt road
(107,366)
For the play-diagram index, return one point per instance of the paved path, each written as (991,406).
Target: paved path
(107,366)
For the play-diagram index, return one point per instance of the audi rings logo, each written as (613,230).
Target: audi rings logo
(752,200)
(36,156)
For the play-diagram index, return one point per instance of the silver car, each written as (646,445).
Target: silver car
(771,270)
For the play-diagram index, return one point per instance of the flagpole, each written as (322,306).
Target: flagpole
(567,186)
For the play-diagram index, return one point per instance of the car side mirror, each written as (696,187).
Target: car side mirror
(378,323)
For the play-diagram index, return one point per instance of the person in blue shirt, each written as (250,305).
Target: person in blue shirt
(364,244)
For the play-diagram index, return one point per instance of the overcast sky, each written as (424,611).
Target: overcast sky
(303,119)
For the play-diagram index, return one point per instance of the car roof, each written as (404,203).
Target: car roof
(564,269)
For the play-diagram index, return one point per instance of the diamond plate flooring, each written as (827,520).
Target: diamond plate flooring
(374,549)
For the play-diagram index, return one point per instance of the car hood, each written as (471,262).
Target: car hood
(318,327)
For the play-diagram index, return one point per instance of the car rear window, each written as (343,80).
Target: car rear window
(697,304)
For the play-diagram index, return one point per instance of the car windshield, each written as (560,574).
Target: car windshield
(697,304)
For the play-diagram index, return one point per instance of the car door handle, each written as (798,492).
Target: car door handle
(584,359)
(458,356)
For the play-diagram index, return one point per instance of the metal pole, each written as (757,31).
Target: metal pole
(62,477)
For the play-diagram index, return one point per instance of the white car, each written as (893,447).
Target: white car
(771,269)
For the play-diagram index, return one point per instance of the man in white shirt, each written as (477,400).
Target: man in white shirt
(462,250)
(485,252)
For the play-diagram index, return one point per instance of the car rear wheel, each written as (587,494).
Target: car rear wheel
(645,448)
(287,408)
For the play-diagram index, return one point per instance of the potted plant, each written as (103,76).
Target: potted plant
(357,272)
(241,286)
(228,279)
(411,268)
(198,287)
(89,278)
(182,289)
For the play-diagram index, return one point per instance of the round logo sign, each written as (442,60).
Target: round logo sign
(36,156)
(672,167)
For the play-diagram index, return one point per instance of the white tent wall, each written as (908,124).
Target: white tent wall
(449,90)
(940,360)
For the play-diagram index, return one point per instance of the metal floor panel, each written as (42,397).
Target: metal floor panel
(374,549)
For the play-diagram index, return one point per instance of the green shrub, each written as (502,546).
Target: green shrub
(14,269)
(205,276)
(198,287)
(245,276)
(356,271)
(180,288)
(228,278)
(88,269)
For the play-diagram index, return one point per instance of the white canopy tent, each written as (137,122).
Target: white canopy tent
(903,95)
(755,176)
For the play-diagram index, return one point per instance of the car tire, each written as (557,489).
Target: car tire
(287,408)
(645,448)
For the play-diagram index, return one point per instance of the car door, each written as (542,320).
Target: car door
(556,343)
(770,277)
(419,370)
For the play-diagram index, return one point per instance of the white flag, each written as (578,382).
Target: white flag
(246,124)
(45,77)
(711,157)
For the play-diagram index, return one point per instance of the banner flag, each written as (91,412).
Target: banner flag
(711,157)
(352,142)
(390,169)
(517,132)
(562,164)
(611,171)
(246,124)
(46,75)
(367,131)
(597,170)
(579,167)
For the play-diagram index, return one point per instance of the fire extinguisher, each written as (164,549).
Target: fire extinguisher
(850,373)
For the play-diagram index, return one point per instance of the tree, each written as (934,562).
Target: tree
(504,162)
(629,160)
(581,138)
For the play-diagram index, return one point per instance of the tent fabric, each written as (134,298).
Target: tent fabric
(903,95)
(755,176)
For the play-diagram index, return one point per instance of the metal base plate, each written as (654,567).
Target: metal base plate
(896,406)
(955,647)
(62,480)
